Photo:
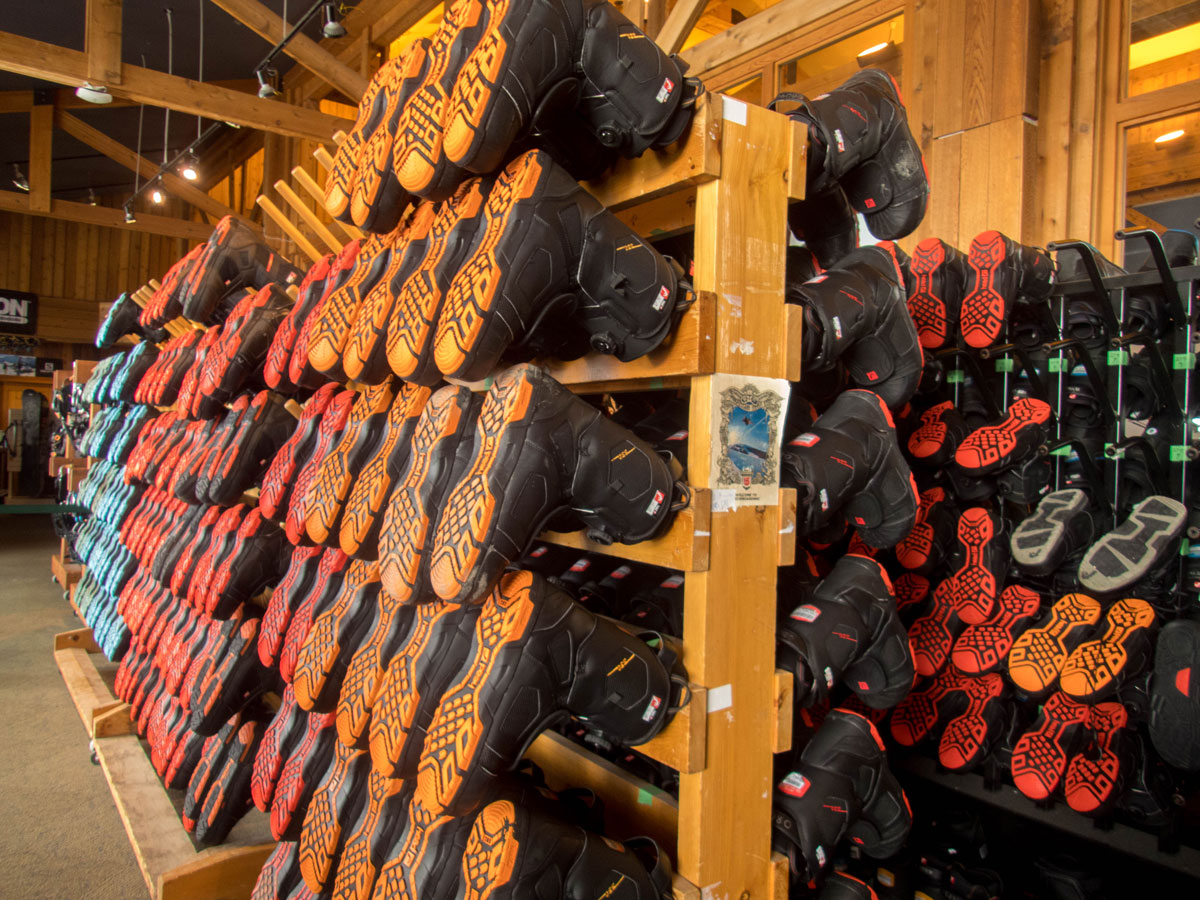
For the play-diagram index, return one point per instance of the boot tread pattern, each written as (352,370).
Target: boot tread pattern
(1037,656)
(1096,666)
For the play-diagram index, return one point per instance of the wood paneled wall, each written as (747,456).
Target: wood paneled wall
(74,267)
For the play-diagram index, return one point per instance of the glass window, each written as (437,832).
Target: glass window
(821,70)
(1162,173)
(1164,44)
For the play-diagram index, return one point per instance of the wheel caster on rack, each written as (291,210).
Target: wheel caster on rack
(92,753)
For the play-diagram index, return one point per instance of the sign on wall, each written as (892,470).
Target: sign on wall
(18,312)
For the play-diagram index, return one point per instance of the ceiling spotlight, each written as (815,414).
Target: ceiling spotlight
(268,81)
(130,218)
(157,195)
(189,168)
(876,54)
(19,180)
(333,28)
(91,198)
(1169,136)
(873,49)
(93,93)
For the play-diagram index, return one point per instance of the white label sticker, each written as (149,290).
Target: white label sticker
(806,613)
(720,698)
(733,110)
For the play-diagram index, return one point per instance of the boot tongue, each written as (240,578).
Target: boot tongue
(607,870)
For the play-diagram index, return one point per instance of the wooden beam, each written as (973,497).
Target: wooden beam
(680,22)
(267,25)
(119,153)
(102,42)
(62,65)
(307,216)
(41,151)
(1141,220)
(751,33)
(289,228)
(108,217)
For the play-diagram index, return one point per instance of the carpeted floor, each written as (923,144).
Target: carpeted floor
(60,835)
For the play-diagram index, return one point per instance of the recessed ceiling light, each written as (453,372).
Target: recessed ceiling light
(1169,136)
(874,49)
(93,93)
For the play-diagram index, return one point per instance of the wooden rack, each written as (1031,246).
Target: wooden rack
(65,571)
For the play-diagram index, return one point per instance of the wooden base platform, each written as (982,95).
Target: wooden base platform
(65,573)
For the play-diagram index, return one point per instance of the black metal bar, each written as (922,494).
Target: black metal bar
(1099,385)
(1167,280)
(1091,472)
(1088,254)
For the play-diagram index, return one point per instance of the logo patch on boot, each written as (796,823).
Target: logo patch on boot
(660,301)
(824,497)
(581,565)
(794,785)
(806,613)
(841,141)
(828,677)
(837,327)
(652,708)
(619,572)
(808,439)
(673,582)
(656,503)
(664,92)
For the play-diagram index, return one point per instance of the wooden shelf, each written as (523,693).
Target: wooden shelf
(172,866)
(65,573)
(684,546)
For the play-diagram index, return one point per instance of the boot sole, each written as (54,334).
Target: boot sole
(992,447)
(1133,548)
(471,509)
(468,314)
(414,318)
(930,313)
(862,508)
(297,781)
(932,635)
(413,509)
(326,591)
(1039,539)
(974,587)
(981,648)
(339,186)
(367,331)
(492,850)
(273,752)
(331,323)
(968,737)
(1038,655)
(287,595)
(1095,668)
(915,551)
(279,875)
(1093,780)
(365,674)
(916,716)
(1175,695)
(985,306)
(333,421)
(458,732)
(399,875)
(928,442)
(1040,757)
(357,871)
(324,821)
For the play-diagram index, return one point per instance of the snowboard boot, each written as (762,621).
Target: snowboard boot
(255,441)
(331,573)
(973,588)
(514,684)
(842,787)
(1038,655)
(860,139)
(1095,778)
(331,813)
(276,489)
(368,668)
(1062,524)
(280,873)
(1041,754)
(300,371)
(236,361)
(1000,272)
(1134,548)
(540,450)
(970,706)
(283,342)
(993,447)
(228,796)
(332,422)
(848,632)
(935,441)
(1175,695)
(369,839)
(120,320)
(981,648)
(437,642)
(553,270)
(849,467)
(827,224)
(932,635)
(442,436)
(279,739)
(937,278)
(332,320)
(855,315)
(235,257)
(513,851)
(297,581)
(923,549)
(844,886)
(1095,669)
(305,765)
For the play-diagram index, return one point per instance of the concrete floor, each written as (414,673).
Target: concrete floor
(60,835)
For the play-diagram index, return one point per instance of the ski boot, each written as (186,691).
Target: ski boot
(235,257)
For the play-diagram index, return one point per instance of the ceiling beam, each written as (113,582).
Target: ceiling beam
(41,152)
(267,25)
(102,41)
(680,22)
(38,59)
(119,153)
(373,21)
(754,31)
(107,217)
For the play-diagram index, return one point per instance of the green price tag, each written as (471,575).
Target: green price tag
(1184,547)
(1183,361)
(1113,454)
(956,376)
(1179,453)
(1058,365)
(1061,451)
(1118,357)
(1004,365)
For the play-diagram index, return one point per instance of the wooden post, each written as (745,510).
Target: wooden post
(41,138)
(729,610)
(102,42)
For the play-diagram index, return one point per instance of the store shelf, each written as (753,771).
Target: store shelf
(1122,838)
(64,572)
(171,864)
